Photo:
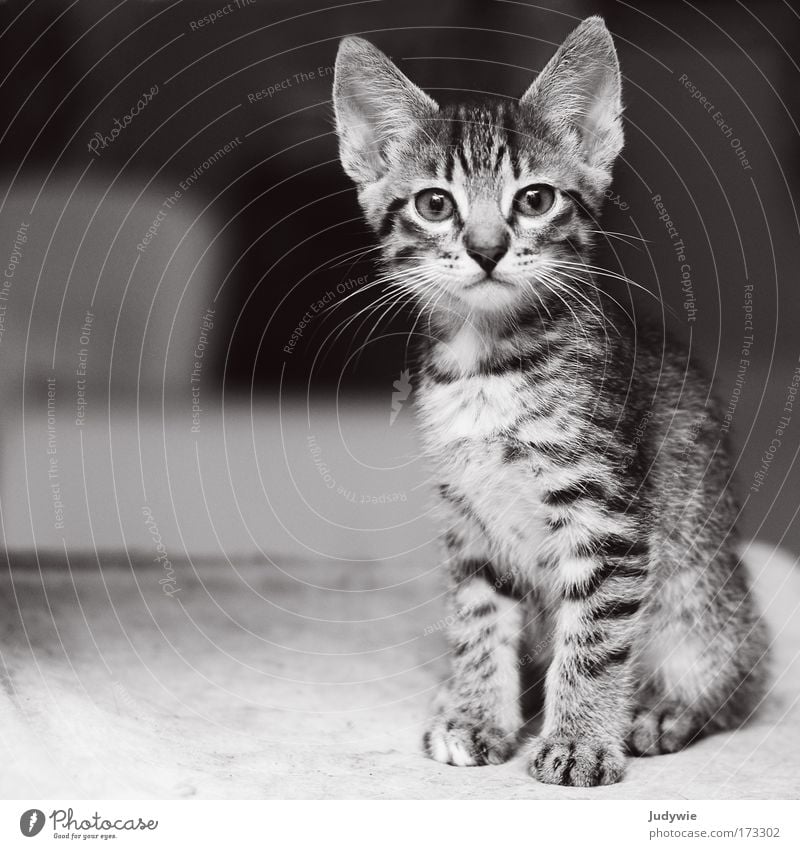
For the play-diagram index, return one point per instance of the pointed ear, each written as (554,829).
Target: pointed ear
(374,102)
(579,92)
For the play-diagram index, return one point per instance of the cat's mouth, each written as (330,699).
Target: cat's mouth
(489,293)
(487,280)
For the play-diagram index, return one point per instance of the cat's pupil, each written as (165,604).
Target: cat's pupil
(535,200)
(434,204)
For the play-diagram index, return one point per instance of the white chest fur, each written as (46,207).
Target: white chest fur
(465,426)
(479,407)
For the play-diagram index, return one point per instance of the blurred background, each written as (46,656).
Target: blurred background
(212,506)
(181,335)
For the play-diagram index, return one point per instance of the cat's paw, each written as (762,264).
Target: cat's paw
(462,741)
(575,762)
(661,731)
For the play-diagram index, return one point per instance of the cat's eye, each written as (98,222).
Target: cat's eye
(535,200)
(434,204)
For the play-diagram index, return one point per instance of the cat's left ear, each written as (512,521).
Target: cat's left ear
(579,92)
(374,102)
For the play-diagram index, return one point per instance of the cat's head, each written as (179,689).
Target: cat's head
(476,204)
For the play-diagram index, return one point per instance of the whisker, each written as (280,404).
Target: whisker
(555,292)
(596,308)
(421,285)
(401,294)
(622,237)
(355,255)
(603,272)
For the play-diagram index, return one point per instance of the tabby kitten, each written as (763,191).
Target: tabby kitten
(582,481)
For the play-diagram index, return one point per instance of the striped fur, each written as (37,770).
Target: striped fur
(583,485)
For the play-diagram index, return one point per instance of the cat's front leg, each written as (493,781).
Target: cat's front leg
(589,684)
(477,713)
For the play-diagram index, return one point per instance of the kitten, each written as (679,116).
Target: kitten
(582,480)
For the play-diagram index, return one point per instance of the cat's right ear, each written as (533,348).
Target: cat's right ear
(374,102)
(579,92)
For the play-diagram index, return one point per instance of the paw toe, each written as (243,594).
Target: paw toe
(575,762)
(661,732)
(461,743)
(645,735)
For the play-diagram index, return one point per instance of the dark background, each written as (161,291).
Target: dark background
(288,216)
(69,70)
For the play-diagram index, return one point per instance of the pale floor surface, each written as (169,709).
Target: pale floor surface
(296,680)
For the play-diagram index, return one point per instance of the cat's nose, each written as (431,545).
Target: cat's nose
(487,255)
(486,235)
